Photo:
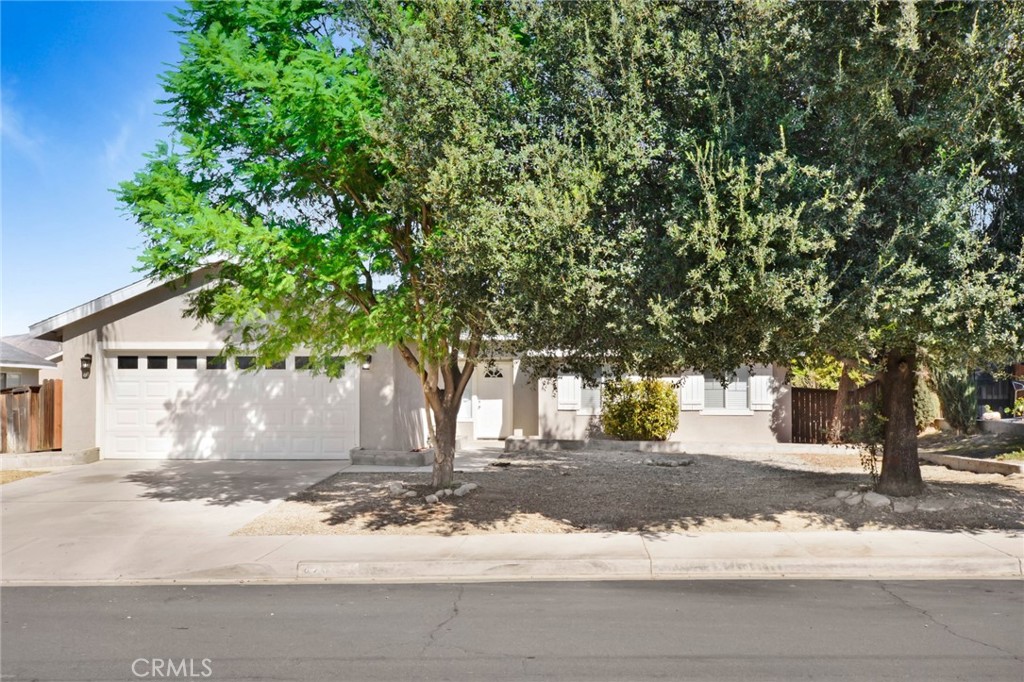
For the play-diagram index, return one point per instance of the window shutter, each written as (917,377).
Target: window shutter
(761,395)
(691,392)
(568,392)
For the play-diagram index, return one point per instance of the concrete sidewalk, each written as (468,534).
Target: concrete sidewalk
(155,522)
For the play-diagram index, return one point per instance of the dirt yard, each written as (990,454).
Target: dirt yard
(555,492)
(12,475)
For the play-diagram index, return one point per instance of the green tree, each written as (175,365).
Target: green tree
(365,173)
(782,177)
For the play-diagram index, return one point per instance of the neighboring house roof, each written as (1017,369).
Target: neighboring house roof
(12,356)
(51,350)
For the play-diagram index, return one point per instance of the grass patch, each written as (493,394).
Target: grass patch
(1016,456)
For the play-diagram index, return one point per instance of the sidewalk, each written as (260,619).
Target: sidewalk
(162,522)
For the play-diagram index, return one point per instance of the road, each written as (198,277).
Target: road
(697,630)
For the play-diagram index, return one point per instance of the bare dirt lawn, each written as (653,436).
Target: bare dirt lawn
(12,475)
(554,492)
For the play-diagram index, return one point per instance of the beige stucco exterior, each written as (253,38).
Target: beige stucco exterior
(753,426)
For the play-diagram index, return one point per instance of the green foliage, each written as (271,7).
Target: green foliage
(822,371)
(870,435)
(1017,410)
(957,395)
(926,404)
(647,409)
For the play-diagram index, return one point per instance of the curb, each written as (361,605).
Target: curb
(973,464)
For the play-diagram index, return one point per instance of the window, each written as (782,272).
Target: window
(276,365)
(590,398)
(733,397)
(492,372)
(10,379)
(187,362)
(575,394)
(301,361)
(216,362)
(245,361)
(127,361)
(156,362)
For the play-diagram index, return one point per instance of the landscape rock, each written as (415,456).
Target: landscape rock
(853,499)
(448,492)
(904,506)
(843,494)
(668,462)
(934,504)
(430,499)
(873,499)
(830,503)
(396,488)
(409,493)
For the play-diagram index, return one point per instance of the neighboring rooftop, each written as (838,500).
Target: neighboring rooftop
(28,343)
(12,356)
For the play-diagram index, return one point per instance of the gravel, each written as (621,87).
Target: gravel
(557,492)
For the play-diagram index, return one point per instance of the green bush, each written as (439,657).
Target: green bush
(926,404)
(957,395)
(639,410)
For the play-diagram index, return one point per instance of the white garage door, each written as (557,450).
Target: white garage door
(178,406)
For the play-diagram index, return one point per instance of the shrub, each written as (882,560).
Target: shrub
(1018,408)
(957,395)
(926,404)
(639,410)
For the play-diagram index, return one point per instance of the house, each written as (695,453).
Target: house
(142,381)
(26,361)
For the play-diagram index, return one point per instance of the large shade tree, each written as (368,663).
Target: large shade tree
(790,178)
(365,174)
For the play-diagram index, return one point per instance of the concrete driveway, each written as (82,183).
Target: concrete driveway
(142,520)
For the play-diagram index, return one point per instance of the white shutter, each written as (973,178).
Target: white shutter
(691,392)
(590,399)
(761,395)
(466,408)
(568,392)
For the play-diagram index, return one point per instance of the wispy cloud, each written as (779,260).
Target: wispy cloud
(114,149)
(16,135)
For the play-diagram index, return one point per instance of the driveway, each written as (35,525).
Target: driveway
(144,520)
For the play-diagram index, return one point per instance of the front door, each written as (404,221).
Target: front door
(492,401)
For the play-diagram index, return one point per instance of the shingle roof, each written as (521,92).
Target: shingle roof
(12,356)
(31,344)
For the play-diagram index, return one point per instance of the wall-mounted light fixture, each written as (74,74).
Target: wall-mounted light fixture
(366,361)
(86,365)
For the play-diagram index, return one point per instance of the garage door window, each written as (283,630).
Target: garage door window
(156,362)
(244,361)
(127,361)
(216,362)
(187,362)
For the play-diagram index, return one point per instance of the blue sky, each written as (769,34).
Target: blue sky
(78,84)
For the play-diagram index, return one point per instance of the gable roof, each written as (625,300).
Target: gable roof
(12,356)
(52,328)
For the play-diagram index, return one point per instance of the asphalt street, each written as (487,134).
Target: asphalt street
(695,630)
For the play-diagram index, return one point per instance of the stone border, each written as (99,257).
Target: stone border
(515,444)
(392,458)
(978,466)
(45,460)
(1011,426)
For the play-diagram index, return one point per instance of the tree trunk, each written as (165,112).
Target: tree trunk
(836,431)
(901,472)
(444,445)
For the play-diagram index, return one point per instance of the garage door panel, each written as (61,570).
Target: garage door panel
(226,414)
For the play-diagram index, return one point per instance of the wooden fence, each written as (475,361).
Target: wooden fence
(31,417)
(812,411)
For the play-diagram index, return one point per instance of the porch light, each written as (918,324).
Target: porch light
(366,361)
(86,365)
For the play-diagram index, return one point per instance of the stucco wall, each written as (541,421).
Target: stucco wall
(774,426)
(525,398)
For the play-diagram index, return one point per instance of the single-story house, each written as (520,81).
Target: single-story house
(142,381)
(26,361)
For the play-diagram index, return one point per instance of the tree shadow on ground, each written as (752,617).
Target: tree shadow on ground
(602,492)
(227,483)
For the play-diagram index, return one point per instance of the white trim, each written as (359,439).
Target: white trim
(100,304)
(13,364)
(719,412)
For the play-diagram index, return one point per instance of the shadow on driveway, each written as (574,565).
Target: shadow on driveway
(230,483)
